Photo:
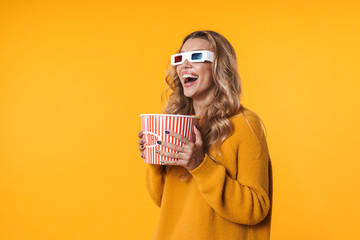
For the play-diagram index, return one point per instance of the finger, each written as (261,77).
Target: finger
(141,147)
(142,155)
(140,134)
(167,154)
(171,146)
(180,137)
(173,163)
(198,138)
(141,141)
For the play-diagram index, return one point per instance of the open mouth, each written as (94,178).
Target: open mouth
(189,78)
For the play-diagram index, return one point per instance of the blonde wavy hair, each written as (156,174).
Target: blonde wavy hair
(214,124)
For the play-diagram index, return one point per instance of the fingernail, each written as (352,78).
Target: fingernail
(196,126)
(167,132)
(159,142)
(157,151)
(142,146)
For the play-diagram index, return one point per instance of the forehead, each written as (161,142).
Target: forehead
(196,44)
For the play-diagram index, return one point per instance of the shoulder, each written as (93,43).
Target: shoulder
(246,116)
(247,124)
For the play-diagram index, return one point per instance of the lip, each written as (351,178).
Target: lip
(189,84)
(187,72)
(190,75)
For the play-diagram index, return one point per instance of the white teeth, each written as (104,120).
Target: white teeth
(189,76)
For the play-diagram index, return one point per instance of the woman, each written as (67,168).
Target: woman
(220,186)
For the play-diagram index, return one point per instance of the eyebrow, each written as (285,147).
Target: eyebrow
(194,50)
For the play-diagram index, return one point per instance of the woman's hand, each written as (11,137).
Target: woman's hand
(190,156)
(141,144)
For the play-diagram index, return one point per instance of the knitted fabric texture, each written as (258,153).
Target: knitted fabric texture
(229,199)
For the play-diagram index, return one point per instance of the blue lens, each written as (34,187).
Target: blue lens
(196,56)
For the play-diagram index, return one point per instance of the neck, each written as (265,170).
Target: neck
(200,105)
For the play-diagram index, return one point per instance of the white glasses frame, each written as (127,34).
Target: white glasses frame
(206,56)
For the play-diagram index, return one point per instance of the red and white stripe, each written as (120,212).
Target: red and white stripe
(154,127)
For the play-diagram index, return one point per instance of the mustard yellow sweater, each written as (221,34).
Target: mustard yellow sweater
(226,200)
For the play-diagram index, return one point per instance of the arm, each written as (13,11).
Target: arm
(243,200)
(155,179)
(154,175)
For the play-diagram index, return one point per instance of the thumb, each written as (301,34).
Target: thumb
(198,139)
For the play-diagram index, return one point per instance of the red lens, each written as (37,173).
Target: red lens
(178,59)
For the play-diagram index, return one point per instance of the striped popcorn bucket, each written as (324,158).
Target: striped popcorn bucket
(154,127)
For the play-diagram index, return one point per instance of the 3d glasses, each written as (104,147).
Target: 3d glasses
(194,56)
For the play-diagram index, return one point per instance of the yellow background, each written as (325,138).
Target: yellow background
(75,75)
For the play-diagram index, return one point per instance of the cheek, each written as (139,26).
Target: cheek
(177,70)
(209,81)
(205,69)
(207,73)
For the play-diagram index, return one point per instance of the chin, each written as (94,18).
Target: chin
(189,94)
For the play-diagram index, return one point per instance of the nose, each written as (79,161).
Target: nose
(186,63)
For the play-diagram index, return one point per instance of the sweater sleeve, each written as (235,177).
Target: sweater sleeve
(244,200)
(155,179)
